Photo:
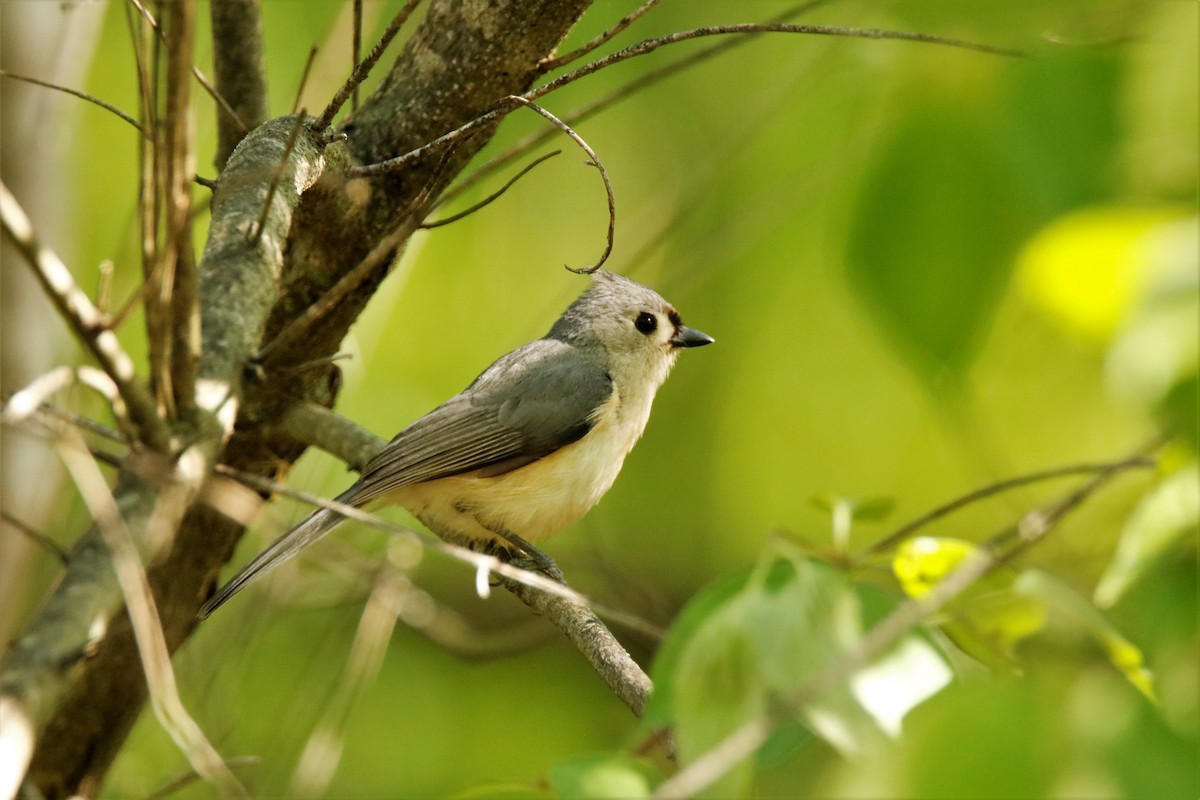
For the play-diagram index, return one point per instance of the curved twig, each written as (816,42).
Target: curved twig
(604,102)
(491,198)
(595,162)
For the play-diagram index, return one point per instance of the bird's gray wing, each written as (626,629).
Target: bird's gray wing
(526,405)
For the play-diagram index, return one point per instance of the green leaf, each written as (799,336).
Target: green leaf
(602,776)
(749,640)
(1166,516)
(930,253)
(987,620)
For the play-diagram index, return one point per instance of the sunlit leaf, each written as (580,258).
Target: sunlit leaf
(989,618)
(1162,519)
(1066,602)
(1089,270)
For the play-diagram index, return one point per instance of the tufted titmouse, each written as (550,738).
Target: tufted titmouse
(532,444)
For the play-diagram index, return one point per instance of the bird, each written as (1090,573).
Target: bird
(531,445)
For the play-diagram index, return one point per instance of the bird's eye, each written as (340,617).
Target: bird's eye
(646,322)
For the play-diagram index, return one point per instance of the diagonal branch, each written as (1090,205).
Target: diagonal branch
(502,108)
(604,102)
(1032,528)
(82,95)
(548,64)
(86,321)
(139,600)
(363,69)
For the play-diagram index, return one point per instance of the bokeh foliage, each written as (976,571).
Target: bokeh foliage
(926,270)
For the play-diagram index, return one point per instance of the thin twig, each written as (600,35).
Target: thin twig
(83,423)
(175,784)
(975,495)
(380,254)
(177,290)
(548,64)
(82,95)
(620,93)
(743,741)
(308,62)
(594,162)
(239,69)
(650,45)
(356,49)
(491,197)
(256,230)
(364,68)
(200,76)
(481,562)
(85,320)
(37,537)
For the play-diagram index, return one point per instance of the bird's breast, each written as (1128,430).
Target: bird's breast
(539,498)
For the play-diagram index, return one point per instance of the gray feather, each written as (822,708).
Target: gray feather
(526,405)
(318,523)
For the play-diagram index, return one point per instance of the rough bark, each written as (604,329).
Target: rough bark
(465,56)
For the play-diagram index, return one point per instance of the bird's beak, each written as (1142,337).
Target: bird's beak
(690,337)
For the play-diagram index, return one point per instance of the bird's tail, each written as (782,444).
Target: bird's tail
(316,525)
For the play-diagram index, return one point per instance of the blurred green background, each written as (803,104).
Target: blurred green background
(920,265)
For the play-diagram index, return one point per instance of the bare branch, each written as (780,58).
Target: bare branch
(200,76)
(177,288)
(240,69)
(82,95)
(501,109)
(380,254)
(603,102)
(319,427)
(35,536)
(304,73)
(548,64)
(356,49)
(85,320)
(363,69)
(276,175)
(491,197)
(975,495)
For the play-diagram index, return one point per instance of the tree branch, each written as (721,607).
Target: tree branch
(85,320)
(240,68)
